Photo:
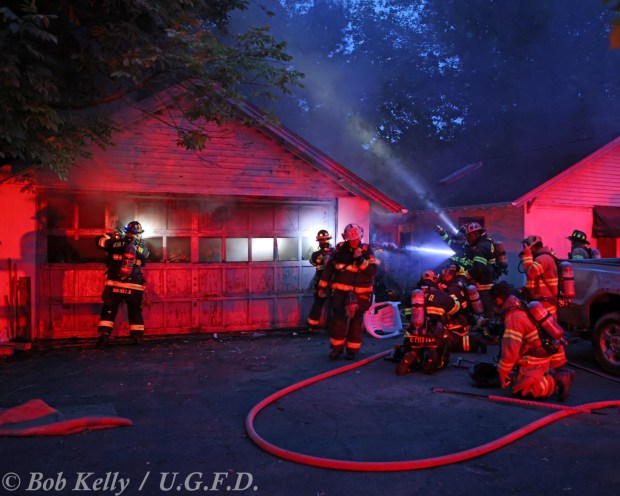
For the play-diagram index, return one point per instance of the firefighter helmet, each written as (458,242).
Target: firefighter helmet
(134,228)
(323,235)
(473,227)
(533,241)
(579,236)
(484,374)
(352,232)
(429,275)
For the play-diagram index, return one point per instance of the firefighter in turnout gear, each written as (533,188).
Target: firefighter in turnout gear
(580,247)
(524,364)
(426,343)
(350,277)
(319,259)
(459,324)
(458,244)
(482,270)
(124,280)
(541,272)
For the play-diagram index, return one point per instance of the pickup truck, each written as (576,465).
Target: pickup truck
(595,311)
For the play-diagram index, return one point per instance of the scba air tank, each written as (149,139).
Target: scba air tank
(474,299)
(545,320)
(129,259)
(417,309)
(567,278)
(500,256)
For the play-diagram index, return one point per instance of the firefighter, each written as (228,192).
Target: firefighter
(541,272)
(350,277)
(454,282)
(426,343)
(319,259)
(124,280)
(524,364)
(482,270)
(458,244)
(580,247)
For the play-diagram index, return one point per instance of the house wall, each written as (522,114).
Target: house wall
(567,204)
(242,186)
(17,244)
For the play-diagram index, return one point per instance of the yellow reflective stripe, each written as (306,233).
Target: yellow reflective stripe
(481,260)
(354,346)
(435,311)
(532,360)
(514,335)
(466,346)
(484,287)
(530,336)
(105,323)
(102,240)
(117,256)
(136,327)
(346,287)
(125,285)
(323,284)
(336,342)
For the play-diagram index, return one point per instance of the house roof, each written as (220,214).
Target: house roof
(292,142)
(515,177)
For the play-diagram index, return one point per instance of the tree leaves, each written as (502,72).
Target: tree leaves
(63,63)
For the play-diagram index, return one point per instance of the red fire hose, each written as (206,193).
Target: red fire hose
(394,466)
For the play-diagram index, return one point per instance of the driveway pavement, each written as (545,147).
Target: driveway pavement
(189,397)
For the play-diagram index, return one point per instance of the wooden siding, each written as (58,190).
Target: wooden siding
(596,183)
(237,160)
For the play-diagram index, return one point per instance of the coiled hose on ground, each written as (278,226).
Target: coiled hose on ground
(394,466)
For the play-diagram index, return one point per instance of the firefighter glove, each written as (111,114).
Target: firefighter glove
(322,293)
(440,230)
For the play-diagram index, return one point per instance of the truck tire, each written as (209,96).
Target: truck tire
(606,342)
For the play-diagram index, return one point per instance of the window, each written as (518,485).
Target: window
(209,250)
(237,249)
(287,249)
(178,249)
(262,249)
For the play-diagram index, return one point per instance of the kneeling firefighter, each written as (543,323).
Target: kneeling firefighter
(426,343)
(350,276)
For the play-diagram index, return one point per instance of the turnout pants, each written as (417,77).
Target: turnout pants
(344,332)
(112,298)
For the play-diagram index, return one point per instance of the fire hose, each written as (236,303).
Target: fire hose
(394,466)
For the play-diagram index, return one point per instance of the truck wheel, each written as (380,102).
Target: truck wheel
(606,342)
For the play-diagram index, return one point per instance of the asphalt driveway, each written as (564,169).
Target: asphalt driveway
(189,397)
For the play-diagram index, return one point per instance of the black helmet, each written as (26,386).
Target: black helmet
(134,228)
(323,235)
(484,374)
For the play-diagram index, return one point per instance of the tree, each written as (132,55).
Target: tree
(64,62)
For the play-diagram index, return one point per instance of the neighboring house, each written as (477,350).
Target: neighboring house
(549,192)
(230,227)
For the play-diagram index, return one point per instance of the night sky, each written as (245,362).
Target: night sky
(421,89)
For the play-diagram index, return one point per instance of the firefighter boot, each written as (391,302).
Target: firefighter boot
(103,340)
(405,365)
(137,337)
(563,381)
(335,353)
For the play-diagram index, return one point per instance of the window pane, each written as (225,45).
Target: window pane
(60,212)
(262,249)
(61,250)
(179,249)
(237,250)
(121,213)
(152,216)
(287,249)
(91,212)
(156,249)
(308,246)
(209,250)
(180,215)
